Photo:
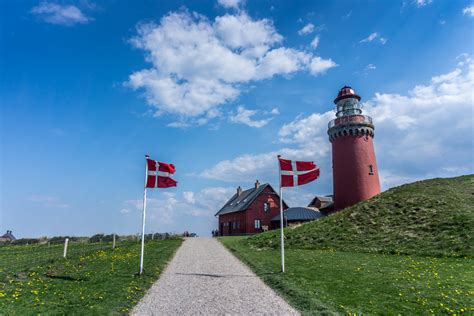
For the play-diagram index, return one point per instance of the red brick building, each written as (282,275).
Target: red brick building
(249,211)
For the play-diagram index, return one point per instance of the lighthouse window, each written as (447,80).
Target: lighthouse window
(371,170)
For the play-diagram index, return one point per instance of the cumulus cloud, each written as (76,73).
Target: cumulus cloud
(468,11)
(245,116)
(424,133)
(54,13)
(307,29)
(319,66)
(230,4)
(372,37)
(198,64)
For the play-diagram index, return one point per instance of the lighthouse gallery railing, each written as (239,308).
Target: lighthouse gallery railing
(351,119)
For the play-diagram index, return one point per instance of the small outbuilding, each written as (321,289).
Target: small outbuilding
(325,204)
(297,215)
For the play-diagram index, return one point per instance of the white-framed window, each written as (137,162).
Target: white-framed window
(266,207)
(258,224)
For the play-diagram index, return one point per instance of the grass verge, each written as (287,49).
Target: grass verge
(98,282)
(337,282)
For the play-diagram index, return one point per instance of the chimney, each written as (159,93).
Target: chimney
(239,191)
(257,184)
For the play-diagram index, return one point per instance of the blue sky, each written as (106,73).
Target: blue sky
(218,88)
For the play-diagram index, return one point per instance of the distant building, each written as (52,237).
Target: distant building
(324,204)
(249,211)
(8,237)
(297,215)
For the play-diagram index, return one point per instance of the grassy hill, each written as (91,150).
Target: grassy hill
(432,217)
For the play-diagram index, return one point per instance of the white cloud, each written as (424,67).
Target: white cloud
(282,61)
(307,29)
(422,3)
(169,206)
(372,37)
(189,197)
(53,13)
(370,67)
(320,66)
(468,11)
(418,135)
(230,4)
(315,42)
(447,77)
(49,201)
(178,124)
(198,64)
(244,116)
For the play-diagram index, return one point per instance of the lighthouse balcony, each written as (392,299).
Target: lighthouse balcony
(352,125)
(351,119)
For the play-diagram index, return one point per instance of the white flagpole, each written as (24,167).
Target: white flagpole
(143,218)
(281,222)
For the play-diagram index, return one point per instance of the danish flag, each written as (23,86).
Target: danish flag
(293,173)
(158,174)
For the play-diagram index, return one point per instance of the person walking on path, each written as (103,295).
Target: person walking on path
(205,278)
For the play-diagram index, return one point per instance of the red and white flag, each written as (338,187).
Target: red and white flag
(158,174)
(293,173)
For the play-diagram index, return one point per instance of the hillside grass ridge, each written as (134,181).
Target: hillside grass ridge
(428,218)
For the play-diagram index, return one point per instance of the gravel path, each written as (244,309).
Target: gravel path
(204,278)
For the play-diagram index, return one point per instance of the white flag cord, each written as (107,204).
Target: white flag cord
(143,218)
(281,223)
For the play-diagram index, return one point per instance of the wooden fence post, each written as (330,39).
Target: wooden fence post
(66,242)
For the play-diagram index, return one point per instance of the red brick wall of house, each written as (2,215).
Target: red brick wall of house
(255,211)
(225,224)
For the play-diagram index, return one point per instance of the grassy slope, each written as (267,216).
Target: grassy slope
(433,217)
(99,282)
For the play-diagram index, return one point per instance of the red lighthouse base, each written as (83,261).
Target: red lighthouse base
(355,173)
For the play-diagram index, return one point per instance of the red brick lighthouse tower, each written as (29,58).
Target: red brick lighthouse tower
(355,174)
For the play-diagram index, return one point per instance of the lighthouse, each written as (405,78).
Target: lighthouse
(355,173)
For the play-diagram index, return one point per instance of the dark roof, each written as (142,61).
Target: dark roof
(9,235)
(346,92)
(300,213)
(241,202)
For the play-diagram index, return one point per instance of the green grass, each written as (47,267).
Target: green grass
(96,281)
(406,251)
(337,282)
(433,218)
